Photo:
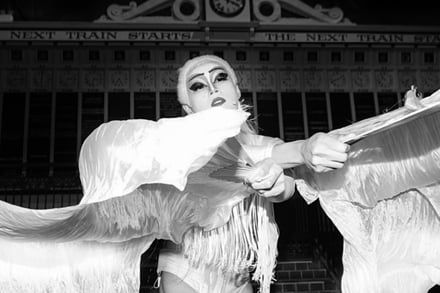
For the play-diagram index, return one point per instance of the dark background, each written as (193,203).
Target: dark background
(371,12)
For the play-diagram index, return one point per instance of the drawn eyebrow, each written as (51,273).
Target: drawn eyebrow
(200,74)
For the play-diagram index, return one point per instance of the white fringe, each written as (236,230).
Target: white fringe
(248,242)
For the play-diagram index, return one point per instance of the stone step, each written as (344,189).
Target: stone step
(298,265)
(312,274)
(304,286)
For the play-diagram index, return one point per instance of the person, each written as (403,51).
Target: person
(204,181)
(209,81)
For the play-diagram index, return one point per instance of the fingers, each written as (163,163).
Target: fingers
(323,152)
(323,142)
(330,158)
(277,188)
(326,165)
(269,179)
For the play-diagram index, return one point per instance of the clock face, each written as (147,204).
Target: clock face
(227,8)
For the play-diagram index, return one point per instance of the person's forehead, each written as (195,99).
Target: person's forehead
(204,68)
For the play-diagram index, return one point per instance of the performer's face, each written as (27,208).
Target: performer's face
(210,85)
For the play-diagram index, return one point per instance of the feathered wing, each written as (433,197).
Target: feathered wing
(385,202)
(96,246)
(119,156)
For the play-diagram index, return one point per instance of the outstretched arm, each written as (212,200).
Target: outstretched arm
(321,152)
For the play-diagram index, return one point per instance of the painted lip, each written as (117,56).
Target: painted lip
(218,102)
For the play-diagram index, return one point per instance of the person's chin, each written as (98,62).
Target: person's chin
(230,106)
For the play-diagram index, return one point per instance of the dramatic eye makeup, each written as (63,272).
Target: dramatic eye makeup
(222,76)
(196,86)
(217,74)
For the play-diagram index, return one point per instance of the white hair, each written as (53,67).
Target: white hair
(182,91)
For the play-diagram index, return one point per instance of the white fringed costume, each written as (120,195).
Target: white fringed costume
(144,180)
(147,180)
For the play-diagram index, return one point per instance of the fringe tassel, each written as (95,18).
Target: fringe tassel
(248,242)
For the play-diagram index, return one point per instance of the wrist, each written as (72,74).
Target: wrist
(289,154)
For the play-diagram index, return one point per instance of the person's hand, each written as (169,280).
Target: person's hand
(323,152)
(267,177)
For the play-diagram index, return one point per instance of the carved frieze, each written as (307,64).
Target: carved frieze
(305,14)
(384,80)
(406,79)
(181,10)
(118,79)
(67,79)
(41,79)
(244,79)
(337,80)
(265,11)
(93,79)
(361,80)
(168,80)
(290,80)
(144,80)
(16,79)
(313,80)
(265,80)
(429,80)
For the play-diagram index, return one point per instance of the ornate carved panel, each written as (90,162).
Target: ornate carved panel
(265,80)
(313,80)
(429,80)
(361,80)
(144,80)
(118,79)
(167,80)
(16,79)
(67,79)
(384,80)
(244,79)
(290,80)
(41,79)
(92,79)
(338,80)
(406,78)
